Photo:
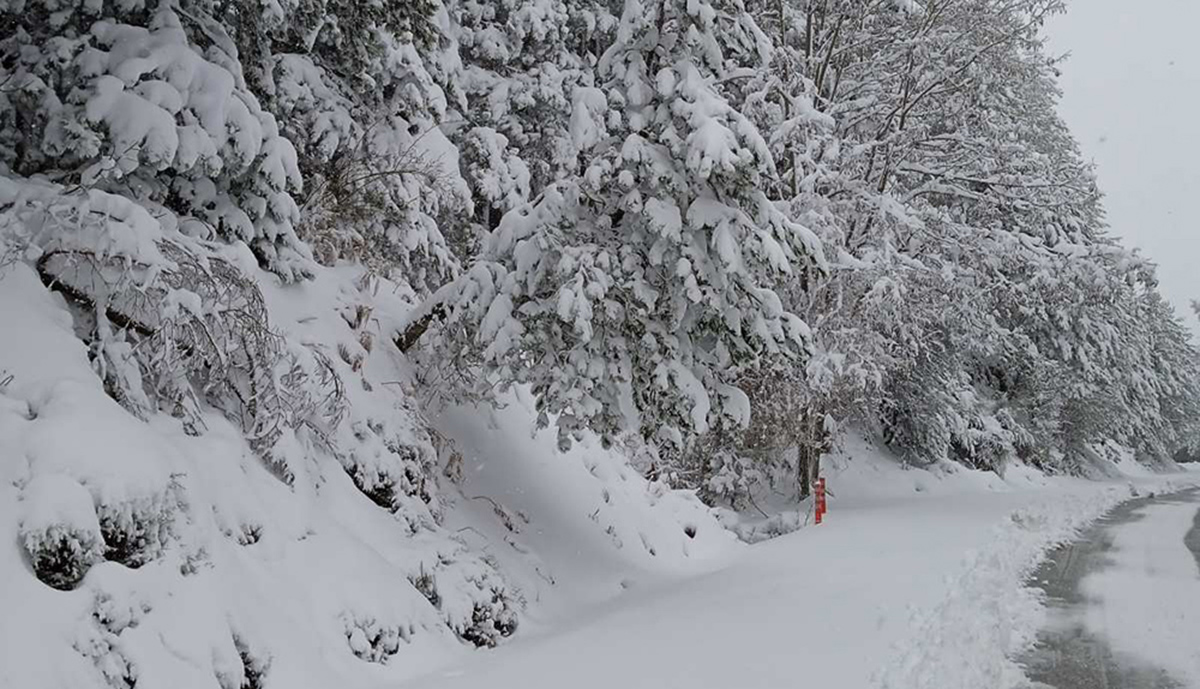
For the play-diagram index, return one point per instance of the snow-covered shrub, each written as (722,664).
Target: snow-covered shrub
(188,329)
(491,621)
(376,203)
(373,641)
(115,613)
(396,475)
(779,524)
(426,585)
(99,640)
(102,648)
(731,478)
(59,530)
(475,602)
(255,666)
(137,531)
(720,466)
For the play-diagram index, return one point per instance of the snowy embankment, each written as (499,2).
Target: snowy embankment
(913,585)
(142,553)
(199,567)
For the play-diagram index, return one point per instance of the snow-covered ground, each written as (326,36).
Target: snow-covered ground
(915,581)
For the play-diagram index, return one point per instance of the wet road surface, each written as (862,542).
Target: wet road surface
(1067,655)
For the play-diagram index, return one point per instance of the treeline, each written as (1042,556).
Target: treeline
(730,229)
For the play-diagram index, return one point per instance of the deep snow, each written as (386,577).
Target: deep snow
(915,580)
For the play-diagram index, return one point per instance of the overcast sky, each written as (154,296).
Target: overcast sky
(1132,97)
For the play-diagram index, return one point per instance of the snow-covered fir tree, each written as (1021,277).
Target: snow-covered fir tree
(631,294)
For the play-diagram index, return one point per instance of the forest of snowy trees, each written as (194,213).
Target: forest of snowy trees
(727,228)
(710,235)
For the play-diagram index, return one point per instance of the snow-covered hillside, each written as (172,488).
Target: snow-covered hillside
(169,558)
(342,343)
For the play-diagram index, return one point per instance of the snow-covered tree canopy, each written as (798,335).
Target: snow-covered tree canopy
(257,246)
(631,294)
(875,202)
(691,220)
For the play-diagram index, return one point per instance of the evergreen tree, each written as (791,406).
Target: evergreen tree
(631,295)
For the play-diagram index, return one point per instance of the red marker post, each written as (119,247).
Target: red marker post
(820,496)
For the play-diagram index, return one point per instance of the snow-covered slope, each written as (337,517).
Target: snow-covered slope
(198,565)
(173,558)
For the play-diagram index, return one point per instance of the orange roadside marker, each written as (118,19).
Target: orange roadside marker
(820,499)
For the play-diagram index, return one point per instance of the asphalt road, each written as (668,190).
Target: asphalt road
(1067,656)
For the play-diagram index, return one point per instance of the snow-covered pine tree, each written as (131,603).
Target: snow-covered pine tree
(523,63)
(365,93)
(920,141)
(634,293)
(148,100)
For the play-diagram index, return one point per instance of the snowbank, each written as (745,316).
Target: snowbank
(177,556)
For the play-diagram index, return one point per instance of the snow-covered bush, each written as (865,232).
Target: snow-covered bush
(377,203)
(255,666)
(474,601)
(396,475)
(374,642)
(100,641)
(492,619)
(149,102)
(198,333)
(137,531)
(173,323)
(101,646)
(59,530)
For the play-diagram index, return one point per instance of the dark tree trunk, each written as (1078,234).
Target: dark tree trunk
(810,445)
(414,331)
(802,464)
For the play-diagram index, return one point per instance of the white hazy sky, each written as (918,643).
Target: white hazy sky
(1132,97)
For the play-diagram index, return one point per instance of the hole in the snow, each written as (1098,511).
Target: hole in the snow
(690,530)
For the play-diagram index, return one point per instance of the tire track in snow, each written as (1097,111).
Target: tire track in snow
(1192,538)
(1067,656)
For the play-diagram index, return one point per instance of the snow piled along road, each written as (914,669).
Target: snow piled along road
(901,593)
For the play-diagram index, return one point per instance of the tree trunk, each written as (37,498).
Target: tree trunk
(802,465)
(405,340)
(810,445)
